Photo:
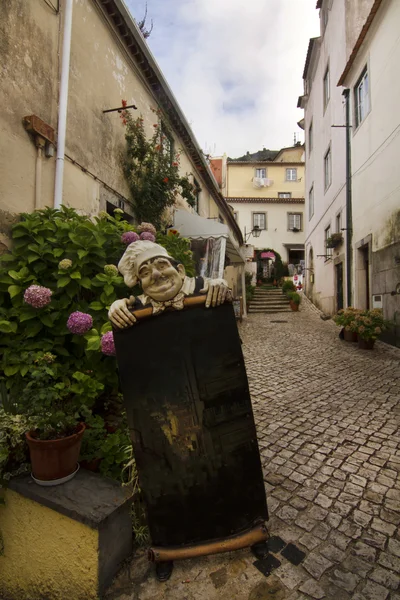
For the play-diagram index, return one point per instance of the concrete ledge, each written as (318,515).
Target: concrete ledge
(63,542)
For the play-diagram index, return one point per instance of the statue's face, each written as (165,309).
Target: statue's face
(160,279)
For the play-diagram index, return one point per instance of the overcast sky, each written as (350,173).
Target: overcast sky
(235,66)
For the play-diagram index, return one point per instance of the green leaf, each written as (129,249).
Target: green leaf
(108,289)
(14,274)
(86,283)
(14,290)
(93,344)
(33,328)
(82,253)
(7,257)
(106,327)
(8,326)
(61,351)
(5,279)
(96,305)
(25,316)
(32,257)
(63,281)
(23,370)
(75,275)
(46,320)
(58,252)
(11,370)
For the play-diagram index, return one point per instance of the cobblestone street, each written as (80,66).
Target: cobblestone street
(327,417)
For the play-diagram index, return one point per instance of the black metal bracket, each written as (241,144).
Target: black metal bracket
(120,109)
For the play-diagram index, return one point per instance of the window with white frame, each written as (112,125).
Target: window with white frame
(260,220)
(284,194)
(294,221)
(311,203)
(310,138)
(291,174)
(361,97)
(328,251)
(328,168)
(261,173)
(327,87)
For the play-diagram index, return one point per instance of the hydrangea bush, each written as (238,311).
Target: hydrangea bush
(56,287)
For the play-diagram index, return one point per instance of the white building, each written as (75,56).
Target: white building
(355,59)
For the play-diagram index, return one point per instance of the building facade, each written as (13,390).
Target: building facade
(351,123)
(109,61)
(266,191)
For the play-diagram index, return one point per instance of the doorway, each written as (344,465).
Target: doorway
(363,278)
(339,286)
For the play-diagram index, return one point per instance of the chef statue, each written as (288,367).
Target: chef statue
(189,411)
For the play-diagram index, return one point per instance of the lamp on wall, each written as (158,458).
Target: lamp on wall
(256,232)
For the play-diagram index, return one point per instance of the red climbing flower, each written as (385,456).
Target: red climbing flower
(165,180)
(124,103)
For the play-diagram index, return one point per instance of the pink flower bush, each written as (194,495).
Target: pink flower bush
(37,296)
(79,323)
(107,344)
(147,227)
(146,235)
(129,237)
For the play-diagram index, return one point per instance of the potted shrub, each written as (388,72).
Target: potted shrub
(288,287)
(294,300)
(345,318)
(335,240)
(368,324)
(54,405)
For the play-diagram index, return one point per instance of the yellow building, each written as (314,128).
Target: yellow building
(266,191)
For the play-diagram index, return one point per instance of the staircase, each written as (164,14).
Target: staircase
(269,300)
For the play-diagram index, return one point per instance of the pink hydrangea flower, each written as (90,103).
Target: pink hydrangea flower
(146,235)
(37,296)
(129,237)
(147,227)
(107,344)
(79,323)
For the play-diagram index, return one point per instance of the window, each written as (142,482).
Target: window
(259,220)
(291,174)
(311,203)
(284,194)
(294,221)
(167,142)
(339,223)
(310,138)
(261,173)
(328,251)
(197,190)
(328,169)
(361,97)
(327,87)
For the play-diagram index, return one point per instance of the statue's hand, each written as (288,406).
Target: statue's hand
(217,291)
(119,314)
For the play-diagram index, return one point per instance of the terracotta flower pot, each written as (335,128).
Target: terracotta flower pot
(294,306)
(350,336)
(55,459)
(365,344)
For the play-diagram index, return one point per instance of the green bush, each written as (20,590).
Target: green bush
(288,287)
(294,297)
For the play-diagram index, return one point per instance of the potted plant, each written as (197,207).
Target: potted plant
(345,318)
(54,405)
(369,324)
(288,287)
(335,240)
(294,300)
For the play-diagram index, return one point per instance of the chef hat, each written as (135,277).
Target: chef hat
(135,255)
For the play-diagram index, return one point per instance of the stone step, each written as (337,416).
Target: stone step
(269,301)
(270,310)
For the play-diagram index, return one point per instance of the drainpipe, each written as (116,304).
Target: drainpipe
(63,103)
(349,220)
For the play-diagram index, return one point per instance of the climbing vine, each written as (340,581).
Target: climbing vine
(151,168)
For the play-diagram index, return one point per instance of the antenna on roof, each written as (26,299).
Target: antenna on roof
(294,138)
